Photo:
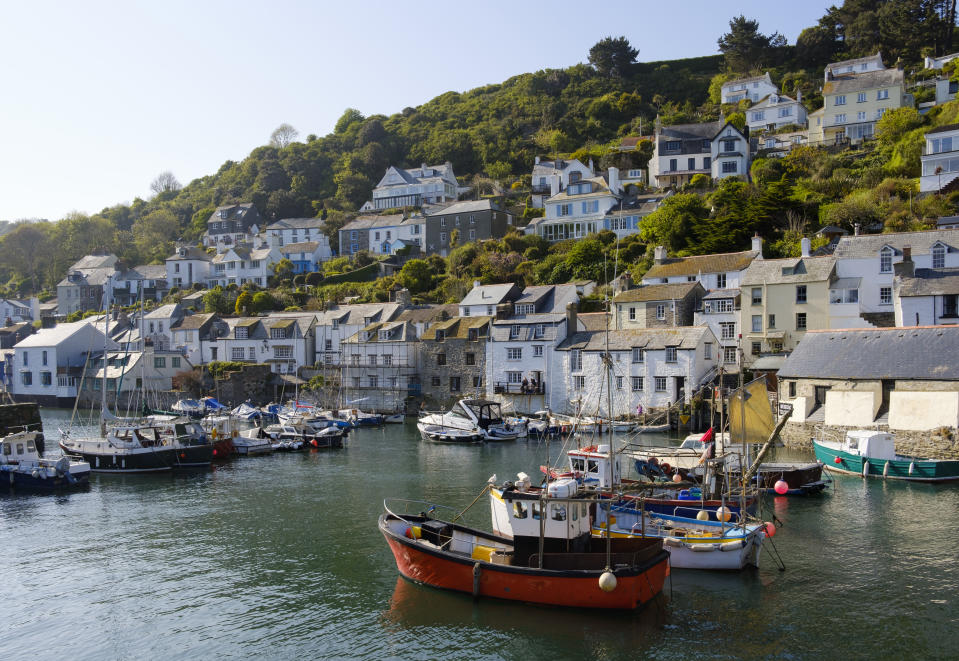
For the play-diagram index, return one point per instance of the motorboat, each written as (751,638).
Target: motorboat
(359,418)
(873,454)
(190,407)
(475,416)
(445,434)
(395,419)
(252,442)
(22,466)
(688,455)
(127,447)
(542,425)
(291,438)
(543,552)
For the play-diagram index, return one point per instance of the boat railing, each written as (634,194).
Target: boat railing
(401,507)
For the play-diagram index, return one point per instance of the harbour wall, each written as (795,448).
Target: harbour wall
(939,443)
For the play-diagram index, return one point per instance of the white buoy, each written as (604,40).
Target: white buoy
(885,469)
(702,515)
(865,467)
(723,514)
(912,466)
(607,581)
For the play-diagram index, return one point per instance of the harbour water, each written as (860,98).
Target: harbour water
(279,558)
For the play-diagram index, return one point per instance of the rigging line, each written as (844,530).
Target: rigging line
(481,493)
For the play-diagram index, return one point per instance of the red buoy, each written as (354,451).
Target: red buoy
(837,460)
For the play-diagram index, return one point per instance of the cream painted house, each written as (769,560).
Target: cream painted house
(853,104)
(781,300)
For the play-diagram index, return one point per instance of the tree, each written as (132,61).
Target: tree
(244,304)
(217,300)
(153,234)
(416,275)
(283,135)
(165,182)
(349,117)
(283,270)
(745,48)
(613,58)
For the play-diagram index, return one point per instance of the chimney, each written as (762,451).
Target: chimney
(805,245)
(659,254)
(906,268)
(424,169)
(758,245)
(553,184)
(591,170)
(476,283)
(855,229)
(625,283)
(799,96)
(404,298)
(570,318)
(614,180)
(537,160)
(35,309)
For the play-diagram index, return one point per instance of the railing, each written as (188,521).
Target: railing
(503,388)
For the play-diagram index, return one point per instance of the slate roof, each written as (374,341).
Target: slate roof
(370,222)
(721,293)
(48,337)
(722,263)
(663,292)
(192,252)
(194,321)
(163,312)
(466,207)
(789,270)
(297,223)
(600,189)
(917,353)
(869,245)
(931,282)
(685,337)
(943,129)
(429,313)
(402,331)
(549,298)
(488,294)
(858,60)
(233,212)
(703,130)
(356,314)
(146,272)
(302,246)
(751,79)
(593,321)
(94,262)
(866,80)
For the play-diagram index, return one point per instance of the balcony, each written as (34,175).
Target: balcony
(503,388)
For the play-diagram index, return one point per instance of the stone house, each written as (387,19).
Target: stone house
(660,305)
(900,378)
(453,360)
(83,287)
(231,224)
(474,221)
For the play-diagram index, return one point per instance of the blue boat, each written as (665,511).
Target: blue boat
(22,467)
(872,454)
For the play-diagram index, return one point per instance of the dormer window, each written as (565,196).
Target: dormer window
(673,145)
(575,176)
(335,324)
(938,256)
(885,260)
(385,334)
(440,335)
(513,332)
(277,333)
(224,213)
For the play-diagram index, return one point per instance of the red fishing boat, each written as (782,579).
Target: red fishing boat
(556,562)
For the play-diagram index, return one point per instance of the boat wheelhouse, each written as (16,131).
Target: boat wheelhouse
(872,454)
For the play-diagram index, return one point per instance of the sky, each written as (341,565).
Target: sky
(100,97)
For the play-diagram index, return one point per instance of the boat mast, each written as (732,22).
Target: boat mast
(106,336)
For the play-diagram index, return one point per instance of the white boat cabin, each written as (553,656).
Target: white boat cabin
(591,464)
(519,511)
(17,448)
(872,444)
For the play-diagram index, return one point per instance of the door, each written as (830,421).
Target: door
(680,388)
(820,395)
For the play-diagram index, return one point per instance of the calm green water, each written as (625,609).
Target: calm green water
(279,558)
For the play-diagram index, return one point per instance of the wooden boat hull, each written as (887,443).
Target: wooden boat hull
(913,470)
(570,588)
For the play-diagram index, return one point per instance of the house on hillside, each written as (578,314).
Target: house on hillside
(484,300)
(231,224)
(652,306)
(306,256)
(854,67)
(775,111)
(476,220)
(193,336)
(414,187)
(377,234)
(14,311)
(83,286)
(298,230)
(579,210)
(753,88)
(853,104)
(187,266)
(940,158)
(148,282)
(452,361)
(243,263)
(680,152)
(730,153)
(551,177)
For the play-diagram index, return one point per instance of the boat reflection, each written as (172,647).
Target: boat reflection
(413,606)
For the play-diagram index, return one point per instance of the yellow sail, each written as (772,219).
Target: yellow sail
(752,421)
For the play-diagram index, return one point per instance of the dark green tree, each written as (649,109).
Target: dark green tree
(613,57)
(745,48)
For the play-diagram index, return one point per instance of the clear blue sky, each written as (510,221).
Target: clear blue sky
(99,97)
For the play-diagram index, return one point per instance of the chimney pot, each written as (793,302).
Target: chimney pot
(758,246)
(571,318)
(659,254)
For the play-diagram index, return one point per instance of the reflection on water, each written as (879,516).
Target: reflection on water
(280,557)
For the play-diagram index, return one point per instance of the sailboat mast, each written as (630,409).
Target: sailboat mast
(106,336)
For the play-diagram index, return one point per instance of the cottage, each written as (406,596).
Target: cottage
(657,305)
(473,221)
(753,89)
(551,177)
(188,266)
(231,224)
(427,184)
(853,104)
(453,360)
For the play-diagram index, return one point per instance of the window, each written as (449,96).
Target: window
(472,235)
(160,362)
(175,360)
(283,352)
(950,305)
(706,145)
(673,145)
(454,384)
(730,166)
(477,381)
(861,116)
(236,353)
(441,359)
(757,326)
(472,219)
(579,383)
(537,351)
(729,145)
(46,379)
(442,237)
(861,98)
(843,296)
(538,331)
(575,360)
(729,355)
(43,358)
(757,116)
(727,330)
(564,209)
(839,119)
(327,345)
(672,165)
(707,161)
(26,357)
(639,354)
(471,359)
(435,381)
(513,332)
(632,314)
(387,360)
(938,262)
(514,353)
(800,321)
(442,222)
(27,378)
(840,100)
(660,384)
(757,348)
(691,164)
(242,332)
(708,351)
(885,296)
(800,293)
(670,354)
(757,296)
(514,377)
(882,94)
(457,219)
(771,321)
(785,112)
(372,359)
(661,311)
(373,381)
(885,260)
(724,305)
(720,280)
(940,145)
(637,383)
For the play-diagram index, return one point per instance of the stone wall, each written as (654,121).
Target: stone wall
(439,396)
(684,314)
(942,443)
(17,417)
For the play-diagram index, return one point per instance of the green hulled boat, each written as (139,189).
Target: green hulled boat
(872,454)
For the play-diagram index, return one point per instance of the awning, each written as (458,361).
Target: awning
(769,363)
(775,335)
